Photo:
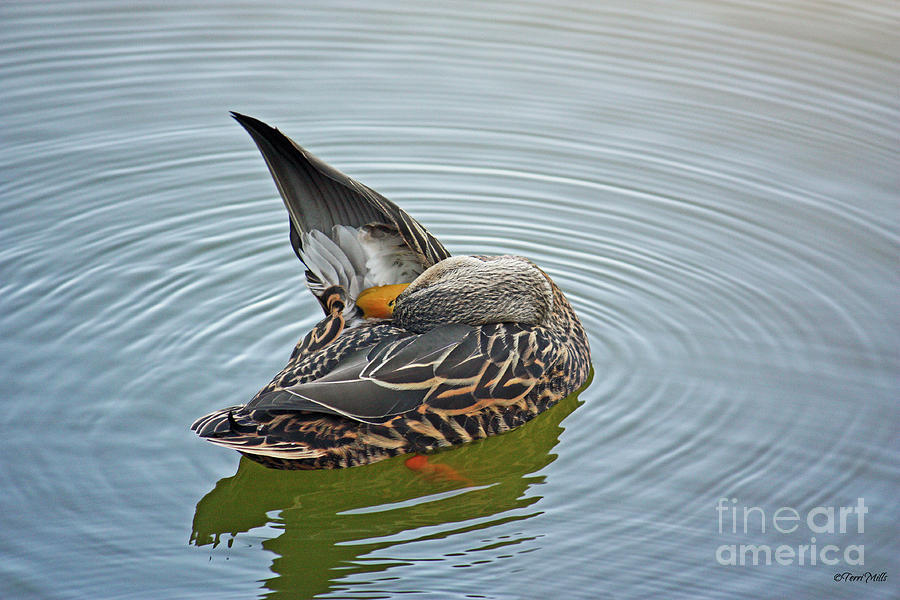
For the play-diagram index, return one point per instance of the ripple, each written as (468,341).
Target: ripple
(714,189)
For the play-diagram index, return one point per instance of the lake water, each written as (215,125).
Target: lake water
(714,184)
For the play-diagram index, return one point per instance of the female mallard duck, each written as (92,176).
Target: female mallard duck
(417,350)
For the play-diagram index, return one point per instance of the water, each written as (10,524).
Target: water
(715,185)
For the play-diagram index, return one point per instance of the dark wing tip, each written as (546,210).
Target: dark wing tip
(265,134)
(261,131)
(246,121)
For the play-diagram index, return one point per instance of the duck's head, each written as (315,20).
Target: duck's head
(470,290)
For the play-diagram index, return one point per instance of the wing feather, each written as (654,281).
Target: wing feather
(318,196)
(452,368)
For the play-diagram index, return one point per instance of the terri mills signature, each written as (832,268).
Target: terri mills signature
(864,577)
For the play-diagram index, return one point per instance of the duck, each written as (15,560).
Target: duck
(418,350)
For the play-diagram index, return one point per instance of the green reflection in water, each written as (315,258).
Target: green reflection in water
(329,519)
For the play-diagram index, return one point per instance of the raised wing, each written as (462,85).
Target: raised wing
(454,369)
(323,203)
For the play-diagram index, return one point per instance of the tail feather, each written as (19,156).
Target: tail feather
(221,429)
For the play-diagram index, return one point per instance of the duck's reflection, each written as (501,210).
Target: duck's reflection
(328,519)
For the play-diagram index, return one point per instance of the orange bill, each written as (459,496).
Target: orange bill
(378,302)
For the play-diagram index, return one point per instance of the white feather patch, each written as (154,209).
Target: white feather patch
(388,259)
(335,260)
(357,259)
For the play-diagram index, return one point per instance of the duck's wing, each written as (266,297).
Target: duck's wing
(345,233)
(452,369)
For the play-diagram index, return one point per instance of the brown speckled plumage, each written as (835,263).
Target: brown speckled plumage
(356,391)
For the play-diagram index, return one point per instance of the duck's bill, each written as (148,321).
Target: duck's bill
(378,302)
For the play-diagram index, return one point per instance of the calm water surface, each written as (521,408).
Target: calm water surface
(714,184)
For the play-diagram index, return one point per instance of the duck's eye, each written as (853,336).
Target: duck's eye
(391,302)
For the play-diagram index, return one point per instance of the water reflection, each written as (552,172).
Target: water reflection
(330,520)
(714,186)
